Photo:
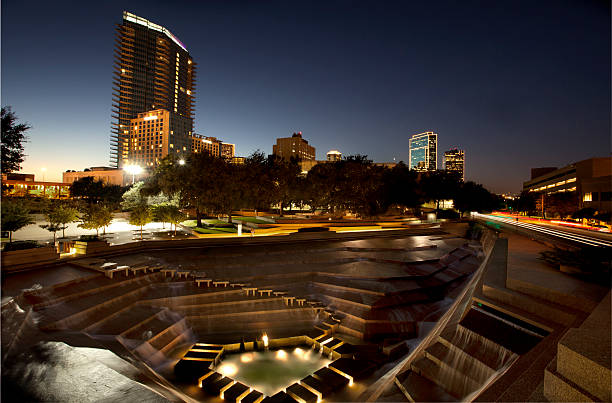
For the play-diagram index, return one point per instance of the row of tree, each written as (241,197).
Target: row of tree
(216,186)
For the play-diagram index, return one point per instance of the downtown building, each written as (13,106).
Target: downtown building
(423,153)
(454,161)
(294,147)
(212,145)
(154,75)
(589,180)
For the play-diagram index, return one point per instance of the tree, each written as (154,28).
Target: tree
(440,185)
(132,197)
(60,215)
(15,215)
(95,191)
(173,215)
(472,196)
(526,202)
(13,137)
(401,188)
(95,217)
(281,177)
(141,216)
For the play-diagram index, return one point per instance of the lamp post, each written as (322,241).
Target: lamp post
(133,170)
(43,172)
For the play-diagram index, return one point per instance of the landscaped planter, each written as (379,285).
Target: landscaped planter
(28,257)
(89,247)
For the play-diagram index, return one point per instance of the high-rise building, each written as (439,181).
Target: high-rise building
(153,135)
(153,71)
(228,150)
(294,146)
(334,155)
(423,154)
(454,161)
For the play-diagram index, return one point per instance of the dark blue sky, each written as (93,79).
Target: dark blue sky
(517,84)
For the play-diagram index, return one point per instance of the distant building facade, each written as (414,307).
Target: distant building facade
(294,146)
(205,144)
(334,155)
(423,153)
(155,134)
(153,70)
(108,175)
(228,150)
(212,145)
(454,161)
(20,185)
(591,179)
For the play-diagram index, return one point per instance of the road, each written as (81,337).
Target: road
(551,231)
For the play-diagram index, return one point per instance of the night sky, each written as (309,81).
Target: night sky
(516,84)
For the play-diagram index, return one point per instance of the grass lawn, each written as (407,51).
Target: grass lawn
(214,230)
(212,221)
(250,219)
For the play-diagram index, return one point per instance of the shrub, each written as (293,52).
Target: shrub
(89,238)
(447,214)
(20,245)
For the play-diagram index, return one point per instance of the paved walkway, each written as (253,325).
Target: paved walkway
(525,267)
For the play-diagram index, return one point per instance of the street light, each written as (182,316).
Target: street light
(181,162)
(43,172)
(133,170)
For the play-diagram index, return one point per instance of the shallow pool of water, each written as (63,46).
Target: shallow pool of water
(271,371)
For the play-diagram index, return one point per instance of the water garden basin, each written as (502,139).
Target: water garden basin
(271,371)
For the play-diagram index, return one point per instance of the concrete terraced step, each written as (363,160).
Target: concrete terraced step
(164,333)
(255,309)
(475,348)
(46,297)
(499,332)
(69,314)
(229,299)
(231,307)
(462,363)
(430,370)
(176,296)
(421,389)
(359,299)
(125,320)
(374,286)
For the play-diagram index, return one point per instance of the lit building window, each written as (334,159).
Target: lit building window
(588,196)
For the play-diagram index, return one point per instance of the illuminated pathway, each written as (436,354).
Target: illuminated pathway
(548,231)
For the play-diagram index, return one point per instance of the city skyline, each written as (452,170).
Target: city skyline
(513,101)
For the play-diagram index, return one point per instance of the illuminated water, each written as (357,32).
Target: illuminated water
(271,371)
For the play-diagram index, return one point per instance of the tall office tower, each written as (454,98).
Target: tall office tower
(294,146)
(454,161)
(423,154)
(153,71)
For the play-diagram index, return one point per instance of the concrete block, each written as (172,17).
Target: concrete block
(560,389)
(529,304)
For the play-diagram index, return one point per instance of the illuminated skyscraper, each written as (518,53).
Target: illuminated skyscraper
(153,70)
(454,161)
(423,154)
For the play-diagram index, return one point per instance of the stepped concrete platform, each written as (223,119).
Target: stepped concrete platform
(362,290)
(581,370)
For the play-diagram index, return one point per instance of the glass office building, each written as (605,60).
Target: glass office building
(454,161)
(423,155)
(153,70)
